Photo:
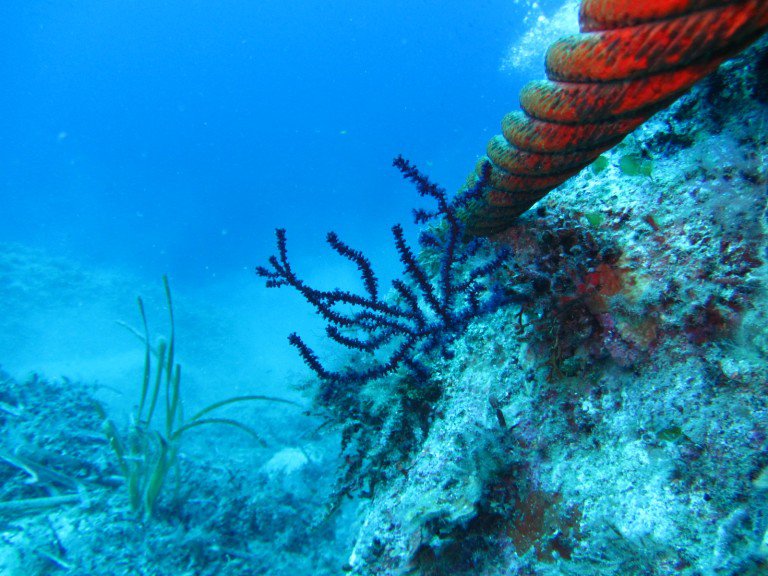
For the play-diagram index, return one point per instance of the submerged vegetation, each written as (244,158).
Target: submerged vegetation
(63,506)
(147,454)
(66,467)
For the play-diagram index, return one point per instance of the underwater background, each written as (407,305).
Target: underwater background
(603,412)
(143,139)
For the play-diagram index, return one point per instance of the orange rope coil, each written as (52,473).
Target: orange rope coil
(631,59)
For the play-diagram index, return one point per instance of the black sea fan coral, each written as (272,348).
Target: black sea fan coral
(423,315)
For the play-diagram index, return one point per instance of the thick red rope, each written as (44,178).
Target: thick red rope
(632,58)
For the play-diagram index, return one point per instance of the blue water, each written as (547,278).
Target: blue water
(174,137)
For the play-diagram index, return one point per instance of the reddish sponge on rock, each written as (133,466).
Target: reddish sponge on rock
(630,60)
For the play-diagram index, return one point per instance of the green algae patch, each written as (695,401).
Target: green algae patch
(635,165)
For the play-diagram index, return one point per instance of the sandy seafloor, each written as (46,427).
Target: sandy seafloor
(622,432)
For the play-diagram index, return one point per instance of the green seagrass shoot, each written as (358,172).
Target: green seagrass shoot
(148,452)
